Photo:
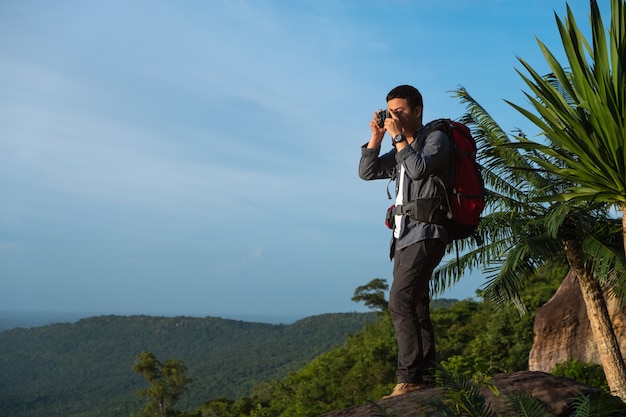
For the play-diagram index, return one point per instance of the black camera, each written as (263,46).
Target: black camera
(382,115)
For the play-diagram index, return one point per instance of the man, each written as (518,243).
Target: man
(417,247)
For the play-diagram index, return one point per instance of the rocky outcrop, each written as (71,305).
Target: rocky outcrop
(556,393)
(562,329)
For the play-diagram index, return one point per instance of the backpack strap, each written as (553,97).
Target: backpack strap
(445,126)
(435,210)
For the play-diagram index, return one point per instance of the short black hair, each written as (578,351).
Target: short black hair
(408,92)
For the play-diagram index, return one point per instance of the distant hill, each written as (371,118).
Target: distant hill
(27,319)
(84,369)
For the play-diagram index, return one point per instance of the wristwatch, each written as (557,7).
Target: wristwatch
(398,138)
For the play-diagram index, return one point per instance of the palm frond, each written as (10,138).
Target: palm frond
(605,257)
(582,110)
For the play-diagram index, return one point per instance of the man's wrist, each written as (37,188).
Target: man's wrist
(374,142)
(398,139)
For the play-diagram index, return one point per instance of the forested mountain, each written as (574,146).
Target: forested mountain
(86,368)
(304,369)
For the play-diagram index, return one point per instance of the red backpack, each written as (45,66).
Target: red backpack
(461,206)
(466,198)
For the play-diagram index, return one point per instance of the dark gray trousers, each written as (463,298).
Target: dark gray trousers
(409,304)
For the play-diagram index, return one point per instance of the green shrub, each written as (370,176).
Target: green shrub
(586,373)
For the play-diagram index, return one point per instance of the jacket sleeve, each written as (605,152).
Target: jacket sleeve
(431,158)
(374,167)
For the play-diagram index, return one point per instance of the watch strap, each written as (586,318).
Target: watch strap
(398,138)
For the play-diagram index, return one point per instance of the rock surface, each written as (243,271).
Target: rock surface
(562,329)
(556,393)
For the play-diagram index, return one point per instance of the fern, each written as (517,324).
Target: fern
(599,406)
(525,405)
(463,397)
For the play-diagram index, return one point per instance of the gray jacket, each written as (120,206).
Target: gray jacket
(426,157)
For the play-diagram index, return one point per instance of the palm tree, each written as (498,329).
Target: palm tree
(522,231)
(584,123)
(514,226)
(582,110)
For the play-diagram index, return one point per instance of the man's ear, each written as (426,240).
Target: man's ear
(418,112)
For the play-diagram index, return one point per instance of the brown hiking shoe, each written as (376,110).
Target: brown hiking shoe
(404,388)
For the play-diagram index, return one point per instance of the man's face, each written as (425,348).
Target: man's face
(409,119)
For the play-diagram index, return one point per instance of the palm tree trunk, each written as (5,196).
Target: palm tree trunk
(601,326)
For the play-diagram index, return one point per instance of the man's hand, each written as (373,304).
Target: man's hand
(392,125)
(377,133)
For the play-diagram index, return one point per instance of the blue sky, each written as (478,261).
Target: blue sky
(200,157)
